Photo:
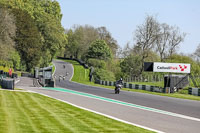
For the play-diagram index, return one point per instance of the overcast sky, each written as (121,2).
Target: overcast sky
(121,17)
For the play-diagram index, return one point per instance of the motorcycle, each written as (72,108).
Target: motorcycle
(117,88)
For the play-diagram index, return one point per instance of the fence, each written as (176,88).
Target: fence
(160,78)
(78,60)
(148,78)
(135,86)
(194,91)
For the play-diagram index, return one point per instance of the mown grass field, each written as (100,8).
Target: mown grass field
(81,76)
(25,112)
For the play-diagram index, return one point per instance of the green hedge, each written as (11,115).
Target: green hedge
(103,75)
(96,63)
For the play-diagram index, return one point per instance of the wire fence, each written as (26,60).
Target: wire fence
(194,80)
(149,78)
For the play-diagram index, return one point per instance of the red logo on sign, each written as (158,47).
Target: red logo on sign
(183,68)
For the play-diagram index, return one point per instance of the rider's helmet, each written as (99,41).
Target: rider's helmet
(121,79)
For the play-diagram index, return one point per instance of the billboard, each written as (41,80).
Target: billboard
(148,66)
(171,67)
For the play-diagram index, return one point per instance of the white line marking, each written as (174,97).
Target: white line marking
(16,81)
(16,90)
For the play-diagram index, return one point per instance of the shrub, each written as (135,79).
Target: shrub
(103,75)
(97,63)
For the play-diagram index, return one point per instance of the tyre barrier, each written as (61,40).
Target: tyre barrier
(134,86)
(7,84)
(194,91)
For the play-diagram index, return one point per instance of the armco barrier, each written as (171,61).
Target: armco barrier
(194,91)
(134,86)
(27,75)
(79,61)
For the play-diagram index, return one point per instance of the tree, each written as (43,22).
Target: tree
(16,60)
(82,36)
(8,55)
(126,51)
(99,50)
(72,45)
(162,42)
(46,15)
(168,40)
(105,35)
(175,39)
(79,40)
(102,74)
(197,53)
(7,32)
(145,37)
(131,65)
(28,39)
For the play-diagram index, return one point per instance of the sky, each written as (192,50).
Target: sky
(121,17)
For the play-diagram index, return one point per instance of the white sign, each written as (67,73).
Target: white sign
(171,67)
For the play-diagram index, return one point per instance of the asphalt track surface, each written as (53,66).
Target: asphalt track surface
(189,111)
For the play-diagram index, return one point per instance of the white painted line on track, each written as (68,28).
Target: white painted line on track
(17,81)
(147,128)
(17,90)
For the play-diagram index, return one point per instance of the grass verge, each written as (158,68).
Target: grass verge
(23,112)
(81,75)
(53,66)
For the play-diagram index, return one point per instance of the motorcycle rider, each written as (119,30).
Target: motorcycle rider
(120,81)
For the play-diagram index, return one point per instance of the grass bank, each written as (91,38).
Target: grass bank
(24,112)
(53,66)
(81,76)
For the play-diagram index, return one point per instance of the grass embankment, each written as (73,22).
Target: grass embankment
(24,112)
(53,66)
(81,76)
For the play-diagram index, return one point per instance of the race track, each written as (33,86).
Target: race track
(156,112)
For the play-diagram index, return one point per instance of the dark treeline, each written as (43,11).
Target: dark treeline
(30,33)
